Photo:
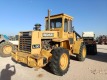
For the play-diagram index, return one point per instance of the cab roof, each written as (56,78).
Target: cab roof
(60,15)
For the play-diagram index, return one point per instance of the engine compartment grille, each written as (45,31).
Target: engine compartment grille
(25,42)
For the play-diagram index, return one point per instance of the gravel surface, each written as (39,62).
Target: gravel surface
(93,68)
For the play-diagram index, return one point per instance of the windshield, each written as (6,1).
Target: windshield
(56,23)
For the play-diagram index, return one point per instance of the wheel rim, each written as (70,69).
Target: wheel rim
(84,52)
(63,61)
(7,49)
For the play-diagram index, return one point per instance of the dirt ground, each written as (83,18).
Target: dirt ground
(93,68)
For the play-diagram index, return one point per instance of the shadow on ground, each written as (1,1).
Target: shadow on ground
(7,73)
(47,68)
(99,57)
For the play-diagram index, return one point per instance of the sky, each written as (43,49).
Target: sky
(21,15)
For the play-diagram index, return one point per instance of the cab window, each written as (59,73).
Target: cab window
(56,23)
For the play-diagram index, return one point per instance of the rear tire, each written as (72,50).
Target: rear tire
(6,49)
(91,49)
(82,53)
(60,61)
(95,50)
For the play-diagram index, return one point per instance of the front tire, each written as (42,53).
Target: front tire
(60,61)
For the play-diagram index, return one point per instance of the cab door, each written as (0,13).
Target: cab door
(65,28)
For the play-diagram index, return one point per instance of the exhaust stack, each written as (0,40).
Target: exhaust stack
(48,19)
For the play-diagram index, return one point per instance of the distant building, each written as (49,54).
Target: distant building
(13,38)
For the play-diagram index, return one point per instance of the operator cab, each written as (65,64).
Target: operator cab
(59,22)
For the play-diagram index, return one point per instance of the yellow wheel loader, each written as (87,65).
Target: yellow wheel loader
(54,45)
